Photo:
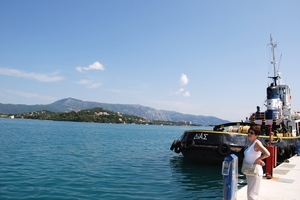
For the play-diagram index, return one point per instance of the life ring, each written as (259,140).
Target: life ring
(189,144)
(224,149)
(280,151)
(177,147)
(173,144)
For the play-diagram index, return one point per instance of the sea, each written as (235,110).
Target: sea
(76,160)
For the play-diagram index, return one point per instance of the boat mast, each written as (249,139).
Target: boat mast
(273,45)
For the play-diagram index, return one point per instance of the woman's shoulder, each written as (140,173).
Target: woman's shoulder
(258,142)
(258,145)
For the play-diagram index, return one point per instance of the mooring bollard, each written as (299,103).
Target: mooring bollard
(271,161)
(230,177)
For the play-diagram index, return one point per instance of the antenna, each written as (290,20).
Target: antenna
(273,62)
(279,62)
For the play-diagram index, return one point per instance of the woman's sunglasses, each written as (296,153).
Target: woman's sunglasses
(251,132)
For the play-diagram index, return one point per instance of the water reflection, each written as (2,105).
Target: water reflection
(202,180)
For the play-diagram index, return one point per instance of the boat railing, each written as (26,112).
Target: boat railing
(257,115)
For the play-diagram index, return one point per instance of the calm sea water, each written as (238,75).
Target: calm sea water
(71,160)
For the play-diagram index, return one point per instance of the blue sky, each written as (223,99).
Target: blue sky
(196,57)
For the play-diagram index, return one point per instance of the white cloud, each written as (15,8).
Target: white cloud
(89,84)
(30,95)
(182,92)
(183,80)
(94,66)
(187,94)
(31,75)
(84,82)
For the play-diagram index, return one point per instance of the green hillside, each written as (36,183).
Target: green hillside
(96,115)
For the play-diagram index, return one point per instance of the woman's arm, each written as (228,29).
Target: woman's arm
(265,153)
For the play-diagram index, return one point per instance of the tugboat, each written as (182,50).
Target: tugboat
(279,127)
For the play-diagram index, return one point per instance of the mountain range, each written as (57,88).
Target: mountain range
(71,104)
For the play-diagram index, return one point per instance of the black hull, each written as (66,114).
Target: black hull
(213,146)
(207,155)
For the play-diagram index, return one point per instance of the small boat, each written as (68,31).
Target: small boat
(279,127)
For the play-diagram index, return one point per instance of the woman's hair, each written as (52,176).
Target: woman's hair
(256,129)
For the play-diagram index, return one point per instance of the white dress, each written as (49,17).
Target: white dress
(253,182)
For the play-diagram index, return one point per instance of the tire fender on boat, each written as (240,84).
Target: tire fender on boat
(177,147)
(280,151)
(173,144)
(224,149)
(288,152)
(189,144)
(293,149)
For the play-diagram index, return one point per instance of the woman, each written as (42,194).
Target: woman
(255,154)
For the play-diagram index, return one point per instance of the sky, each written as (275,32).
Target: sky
(195,57)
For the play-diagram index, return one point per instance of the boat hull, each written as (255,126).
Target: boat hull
(213,146)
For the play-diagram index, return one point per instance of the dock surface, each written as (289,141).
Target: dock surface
(285,184)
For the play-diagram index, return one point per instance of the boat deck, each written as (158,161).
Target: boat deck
(284,185)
